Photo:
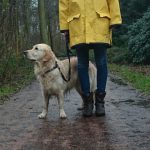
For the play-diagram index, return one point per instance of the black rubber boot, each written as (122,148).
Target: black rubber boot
(99,104)
(88,105)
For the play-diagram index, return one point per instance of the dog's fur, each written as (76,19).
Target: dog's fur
(52,82)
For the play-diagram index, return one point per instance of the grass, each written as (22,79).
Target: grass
(135,77)
(8,89)
(18,75)
(14,86)
(5,90)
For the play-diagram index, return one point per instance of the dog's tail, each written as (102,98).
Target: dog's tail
(93,76)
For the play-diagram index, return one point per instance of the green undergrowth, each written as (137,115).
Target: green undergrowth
(18,74)
(136,78)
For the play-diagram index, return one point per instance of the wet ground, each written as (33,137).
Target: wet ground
(126,125)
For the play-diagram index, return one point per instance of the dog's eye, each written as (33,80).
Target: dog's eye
(36,48)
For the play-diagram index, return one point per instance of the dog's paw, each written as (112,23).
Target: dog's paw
(63,114)
(42,116)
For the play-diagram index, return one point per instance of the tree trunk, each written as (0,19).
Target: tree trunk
(43,22)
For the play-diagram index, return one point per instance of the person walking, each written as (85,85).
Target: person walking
(88,24)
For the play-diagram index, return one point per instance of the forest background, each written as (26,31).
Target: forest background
(24,23)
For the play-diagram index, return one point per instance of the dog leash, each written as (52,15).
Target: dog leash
(57,66)
(68,55)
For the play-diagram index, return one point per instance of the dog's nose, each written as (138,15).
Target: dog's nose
(25,53)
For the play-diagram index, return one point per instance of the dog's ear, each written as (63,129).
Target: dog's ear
(47,57)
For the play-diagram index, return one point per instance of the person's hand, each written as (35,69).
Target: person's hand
(115,27)
(66,34)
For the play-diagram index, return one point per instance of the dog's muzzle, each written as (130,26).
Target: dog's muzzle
(25,53)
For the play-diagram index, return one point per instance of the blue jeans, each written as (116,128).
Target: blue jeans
(101,65)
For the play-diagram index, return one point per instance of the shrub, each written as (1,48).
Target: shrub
(139,41)
(118,55)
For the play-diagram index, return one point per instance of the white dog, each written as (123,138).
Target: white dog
(48,69)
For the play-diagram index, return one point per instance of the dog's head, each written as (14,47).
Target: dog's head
(39,52)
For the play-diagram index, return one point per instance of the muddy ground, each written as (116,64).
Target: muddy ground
(126,125)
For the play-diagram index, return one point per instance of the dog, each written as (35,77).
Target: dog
(48,69)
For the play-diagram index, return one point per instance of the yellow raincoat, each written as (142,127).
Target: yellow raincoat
(89,21)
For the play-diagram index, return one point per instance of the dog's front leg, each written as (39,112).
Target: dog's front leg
(61,105)
(45,106)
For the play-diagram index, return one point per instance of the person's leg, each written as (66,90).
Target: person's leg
(101,64)
(100,52)
(83,66)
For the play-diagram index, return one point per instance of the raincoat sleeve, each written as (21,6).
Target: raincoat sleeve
(63,14)
(115,14)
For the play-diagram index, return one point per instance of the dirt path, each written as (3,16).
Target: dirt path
(126,125)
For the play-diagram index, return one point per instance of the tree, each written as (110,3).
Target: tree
(43,22)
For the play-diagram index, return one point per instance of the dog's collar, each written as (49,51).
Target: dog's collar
(56,66)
